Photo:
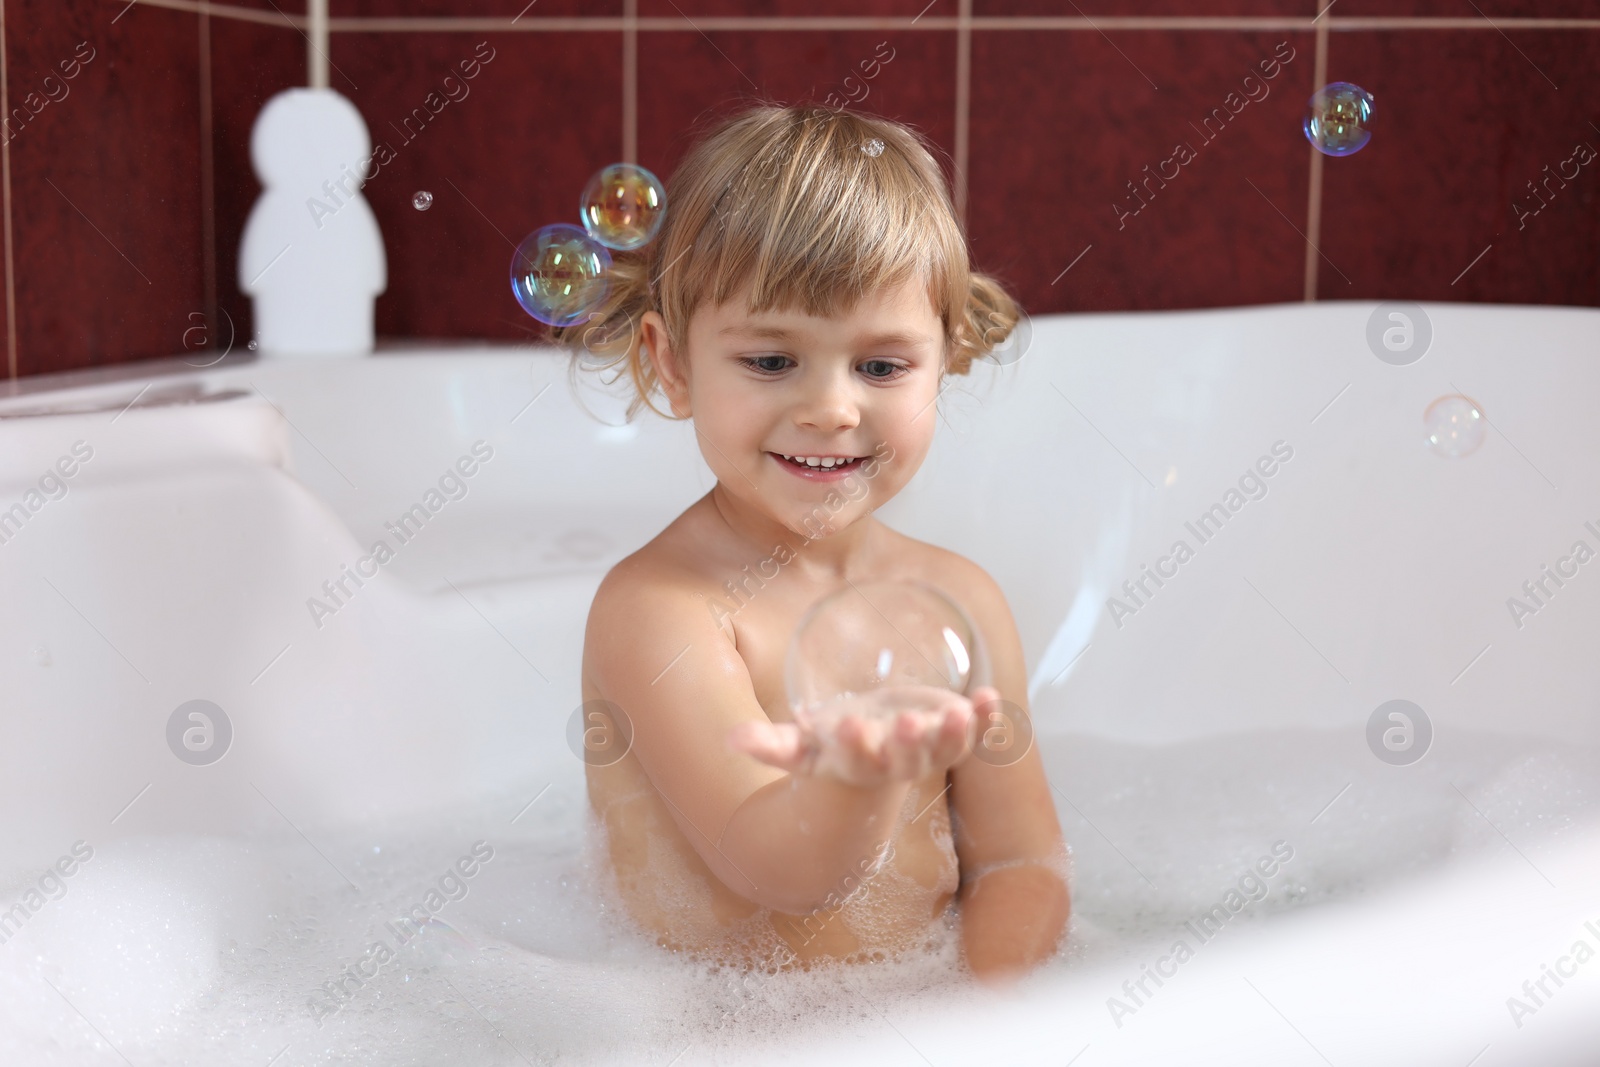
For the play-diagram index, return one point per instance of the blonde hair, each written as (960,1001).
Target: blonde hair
(803,205)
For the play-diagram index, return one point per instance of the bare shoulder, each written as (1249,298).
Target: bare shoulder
(966,581)
(673,563)
(969,585)
(648,600)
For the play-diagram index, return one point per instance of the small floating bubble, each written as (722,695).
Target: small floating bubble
(422,200)
(1337,118)
(1456,426)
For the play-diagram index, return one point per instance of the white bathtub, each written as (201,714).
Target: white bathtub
(374,742)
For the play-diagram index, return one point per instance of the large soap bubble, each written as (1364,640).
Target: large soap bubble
(622,206)
(558,274)
(1337,118)
(877,648)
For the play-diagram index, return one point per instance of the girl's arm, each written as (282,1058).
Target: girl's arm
(784,841)
(1014,897)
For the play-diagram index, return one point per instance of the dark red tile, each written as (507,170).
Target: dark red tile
(1463,122)
(511,155)
(1051,179)
(1098,9)
(1478,10)
(507,9)
(250,64)
(720,72)
(104,183)
(795,8)
(271,7)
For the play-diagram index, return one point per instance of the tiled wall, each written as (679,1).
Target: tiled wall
(126,186)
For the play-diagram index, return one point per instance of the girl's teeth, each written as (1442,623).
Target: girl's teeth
(825,463)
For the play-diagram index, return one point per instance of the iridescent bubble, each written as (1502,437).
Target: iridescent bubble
(877,648)
(422,200)
(622,206)
(1337,119)
(558,274)
(1456,426)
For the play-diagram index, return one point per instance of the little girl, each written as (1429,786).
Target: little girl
(807,293)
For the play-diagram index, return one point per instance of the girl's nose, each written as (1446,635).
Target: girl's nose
(829,404)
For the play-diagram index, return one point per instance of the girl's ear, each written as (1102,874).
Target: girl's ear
(671,371)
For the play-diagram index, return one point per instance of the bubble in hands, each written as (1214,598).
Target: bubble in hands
(874,649)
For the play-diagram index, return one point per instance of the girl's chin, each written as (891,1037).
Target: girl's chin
(818,523)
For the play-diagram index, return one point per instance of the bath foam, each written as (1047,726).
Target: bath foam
(1174,825)
(237,932)
(890,908)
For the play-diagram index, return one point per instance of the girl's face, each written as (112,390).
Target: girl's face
(770,392)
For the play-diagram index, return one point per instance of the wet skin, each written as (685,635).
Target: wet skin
(728,836)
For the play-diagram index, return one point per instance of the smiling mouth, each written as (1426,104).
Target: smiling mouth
(819,464)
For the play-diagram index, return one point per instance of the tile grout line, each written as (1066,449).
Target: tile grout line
(630,80)
(825,23)
(1201,23)
(317,61)
(5,199)
(208,186)
(1314,193)
(963,105)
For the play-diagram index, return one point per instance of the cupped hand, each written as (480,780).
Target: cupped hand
(911,732)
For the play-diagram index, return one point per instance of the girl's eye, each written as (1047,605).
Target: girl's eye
(882,369)
(767,364)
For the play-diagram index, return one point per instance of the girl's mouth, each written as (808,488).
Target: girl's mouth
(819,468)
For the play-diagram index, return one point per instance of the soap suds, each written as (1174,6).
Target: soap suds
(188,950)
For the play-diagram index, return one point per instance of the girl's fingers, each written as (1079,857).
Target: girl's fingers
(903,748)
(951,739)
(866,752)
(861,749)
